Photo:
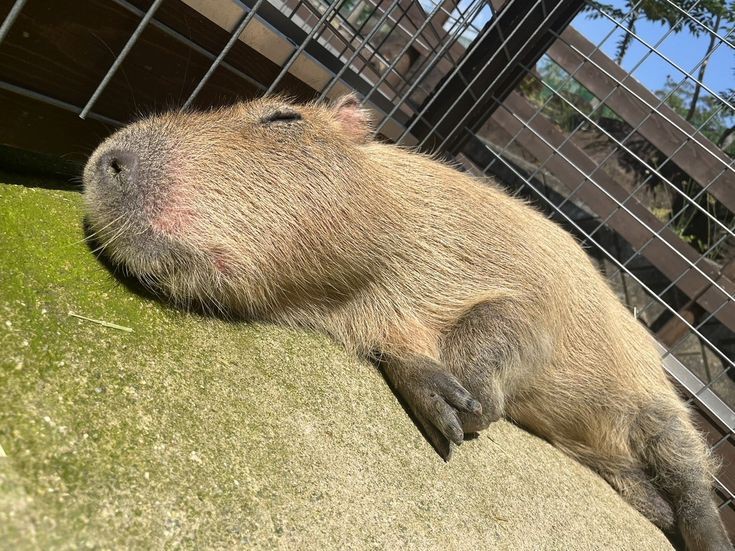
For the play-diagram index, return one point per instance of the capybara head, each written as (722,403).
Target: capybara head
(196,204)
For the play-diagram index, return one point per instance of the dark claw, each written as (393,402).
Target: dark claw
(445,418)
(456,395)
(438,441)
(441,406)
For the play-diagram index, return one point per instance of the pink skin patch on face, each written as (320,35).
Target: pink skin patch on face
(222,260)
(174,212)
(172,220)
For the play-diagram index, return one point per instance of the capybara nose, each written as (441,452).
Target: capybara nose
(118,167)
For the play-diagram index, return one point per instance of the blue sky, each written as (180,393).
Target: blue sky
(683,49)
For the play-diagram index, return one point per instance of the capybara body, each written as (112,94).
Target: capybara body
(475,306)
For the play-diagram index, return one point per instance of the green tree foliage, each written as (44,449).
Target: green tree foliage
(711,116)
(711,18)
(682,15)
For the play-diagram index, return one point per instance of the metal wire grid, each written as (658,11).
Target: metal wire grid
(359,46)
(362,58)
(362,43)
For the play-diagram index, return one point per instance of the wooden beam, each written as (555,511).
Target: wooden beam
(663,127)
(675,329)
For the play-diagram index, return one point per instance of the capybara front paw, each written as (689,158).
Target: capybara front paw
(437,398)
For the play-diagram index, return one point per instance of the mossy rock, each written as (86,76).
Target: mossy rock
(191,430)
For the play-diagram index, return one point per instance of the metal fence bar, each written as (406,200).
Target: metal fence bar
(654,171)
(620,143)
(670,221)
(375,50)
(10,18)
(489,88)
(569,78)
(477,76)
(401,53)
(120,58)
(191,44)
(358,32)
(668,159)
(43,98)
(603,100)
(489,28)
(504,72)
(441,51)
(725,490)
(658,233)
(350,37)
(626,210)
(666,289)
(447,44)
(670,286)
(652,109)
(246,18)
(720,442)
(610,198)
(334,6)
(621,226)
(696,330)
(717,410)
(442,15)
(362,44)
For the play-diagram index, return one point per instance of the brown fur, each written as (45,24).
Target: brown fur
(461,293)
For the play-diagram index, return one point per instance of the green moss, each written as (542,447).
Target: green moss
(193,431)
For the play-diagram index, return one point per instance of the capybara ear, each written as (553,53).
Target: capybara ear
(354,119)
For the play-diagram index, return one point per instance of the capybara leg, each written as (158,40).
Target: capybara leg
(677,456)
(434,396)
(638,490)
(493,352)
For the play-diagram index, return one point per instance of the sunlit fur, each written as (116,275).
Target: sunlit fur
(312,224)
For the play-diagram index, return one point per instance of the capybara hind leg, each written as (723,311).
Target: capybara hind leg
(638,490)
(677,454)
(434,396)
(492,351)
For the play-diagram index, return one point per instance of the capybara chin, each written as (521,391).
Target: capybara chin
(474,305)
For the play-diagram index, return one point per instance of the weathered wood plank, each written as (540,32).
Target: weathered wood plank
(663,127)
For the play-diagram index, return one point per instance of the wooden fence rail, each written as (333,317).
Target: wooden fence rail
(663,127)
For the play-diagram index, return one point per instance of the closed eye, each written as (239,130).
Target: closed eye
(281,116)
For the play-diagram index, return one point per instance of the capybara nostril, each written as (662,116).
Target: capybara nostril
(118,166)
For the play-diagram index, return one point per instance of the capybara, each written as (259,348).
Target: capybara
(474,305)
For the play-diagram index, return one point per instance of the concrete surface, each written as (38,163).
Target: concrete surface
(199,432)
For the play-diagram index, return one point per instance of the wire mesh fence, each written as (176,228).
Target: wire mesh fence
(642,174)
